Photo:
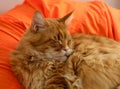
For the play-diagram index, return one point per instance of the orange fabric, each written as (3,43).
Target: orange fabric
(96,18)
(90,18)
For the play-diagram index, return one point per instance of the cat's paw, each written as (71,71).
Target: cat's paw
(70,77)
(77,84)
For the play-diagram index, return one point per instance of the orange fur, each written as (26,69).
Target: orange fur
(95,62)
(41,51)
(40,60)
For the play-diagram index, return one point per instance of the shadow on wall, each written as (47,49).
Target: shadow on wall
(114,3)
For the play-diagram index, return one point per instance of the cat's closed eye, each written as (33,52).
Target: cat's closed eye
(69,41)
(55,43)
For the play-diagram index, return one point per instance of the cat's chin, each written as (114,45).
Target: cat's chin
(63,58)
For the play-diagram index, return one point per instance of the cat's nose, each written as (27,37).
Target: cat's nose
(68,51)
(65,49)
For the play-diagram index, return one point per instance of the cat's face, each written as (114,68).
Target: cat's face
(51,36)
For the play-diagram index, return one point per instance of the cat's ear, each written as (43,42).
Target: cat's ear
(67,18)
(38,21)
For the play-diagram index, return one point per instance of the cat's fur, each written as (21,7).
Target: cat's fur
(39,61)
(39,58)
(95,62)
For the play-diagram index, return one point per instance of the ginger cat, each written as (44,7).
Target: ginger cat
(48,57)
(42,52)
(95,63)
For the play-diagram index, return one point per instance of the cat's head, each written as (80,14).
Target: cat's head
(51,36)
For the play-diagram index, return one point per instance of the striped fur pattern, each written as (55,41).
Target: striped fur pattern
(41,61)
(95,62)
(39,58)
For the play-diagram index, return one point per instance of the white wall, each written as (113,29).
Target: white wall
(6,5)
(113,3)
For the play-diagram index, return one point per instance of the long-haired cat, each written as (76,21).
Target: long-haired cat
(41,60)
(40,56)
(95,63)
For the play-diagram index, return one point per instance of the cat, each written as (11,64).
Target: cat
(48,57)
(39,58)
(95,62)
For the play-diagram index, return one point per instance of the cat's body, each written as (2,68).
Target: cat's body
(40,56)
(40,60)
(95,62)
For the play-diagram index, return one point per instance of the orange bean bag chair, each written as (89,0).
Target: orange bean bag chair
(89,17)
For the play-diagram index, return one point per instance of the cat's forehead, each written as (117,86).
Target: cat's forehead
(56,28)
(55,23)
